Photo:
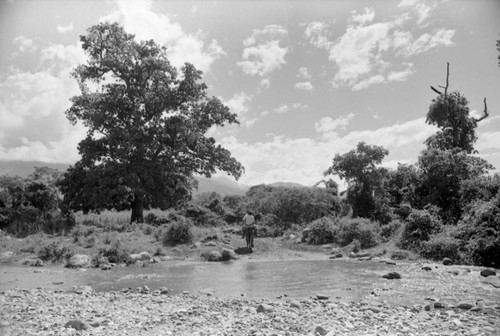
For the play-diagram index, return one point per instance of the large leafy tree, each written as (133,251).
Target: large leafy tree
(359,168)
(147,127)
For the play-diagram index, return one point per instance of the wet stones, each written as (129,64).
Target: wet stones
(264,308)
(143,256)
(426,268)
(392,275)
(465,306)
(77,324)
(319,330)
(447,262)
(488,272)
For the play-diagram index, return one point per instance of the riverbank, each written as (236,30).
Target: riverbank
(41,312)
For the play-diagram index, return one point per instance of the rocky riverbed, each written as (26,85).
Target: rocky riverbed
(84,312)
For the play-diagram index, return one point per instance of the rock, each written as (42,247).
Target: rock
(465,306)
(228,254)
(77,324)
(427,268)
(105,267)
(454,272)
(84,290)
(319,330)
(438,305)
(197,244)
(387,262)
(264,308)
(305,234)
(427,307)
(163,290)
(214,256)
(295,304)
(211,243)
(155,260)
(400,255)
(335,251)
(488,272)
(143,256)
(79,261)
(33,262)
(447,262)
(322,297)
(7,254)
(336,256)
(392,275)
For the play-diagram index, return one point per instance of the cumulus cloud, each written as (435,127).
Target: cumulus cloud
(24,44)
(303,160)
(239,104)
(140,18)
(306,86)
(283,108)
(65,29)
(264,51)
(364,55)
(303,73)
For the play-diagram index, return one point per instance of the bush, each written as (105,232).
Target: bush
(389,230)
(115,253)
(322,231)
(178,232)
(54,252)
(442,245)
(361,229)
(419,227)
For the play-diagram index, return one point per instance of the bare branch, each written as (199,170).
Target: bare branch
(486,114)
(447,77)
(436,90)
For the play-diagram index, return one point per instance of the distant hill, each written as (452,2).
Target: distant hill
(25,168)
(287,185)
(222,185)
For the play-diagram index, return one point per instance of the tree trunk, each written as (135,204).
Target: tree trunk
(137,208)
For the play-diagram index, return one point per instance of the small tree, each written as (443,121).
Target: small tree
(146,127)
(359,168)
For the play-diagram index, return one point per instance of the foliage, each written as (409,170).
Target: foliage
(419,227)
(389,230)
(442,173)
(359,168)
(292,205)
(115,252)
(322,231)
(480,232)
(146,124)
(54,252)
(178,232)
(443,244)
(360,229)
(401,185)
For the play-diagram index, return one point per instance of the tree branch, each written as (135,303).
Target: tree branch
(486,114)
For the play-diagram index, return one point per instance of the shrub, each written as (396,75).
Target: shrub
(146,229)
(361,229)
(355,246)
(178,232)
(420,225)
(322,231)
(115,253)
(54,252)
(389,230)
(442,245)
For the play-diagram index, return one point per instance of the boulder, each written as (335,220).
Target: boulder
(84,290)
(400,255)
(392,275)
(335,251)
(143,256)
(488,272)
(79,261)
(228,254)
(163,290)
(214,256)
(33,262)
(447,262)
(295,304)
(319,330)
(322,297)
(77,324)
(465,305)
(264,308)
(211,243)
(427,268)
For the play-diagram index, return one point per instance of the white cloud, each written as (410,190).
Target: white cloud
(327,125)
(24,44)
(140,18)
(65,29)
(364,54)
(265,83)
(239,104)
(263,52)
(303,160)
(303,73)
(283,108)
(306,86)
(422,8)
(366,17)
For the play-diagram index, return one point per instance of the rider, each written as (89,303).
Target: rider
(248,229)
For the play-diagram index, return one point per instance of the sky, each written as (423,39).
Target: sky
(307,79)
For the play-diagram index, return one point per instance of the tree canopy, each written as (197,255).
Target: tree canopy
(147,127)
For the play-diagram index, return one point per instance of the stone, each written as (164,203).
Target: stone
(143,256)
(438,305)
(319,330)
(427,268)
(79,261)
(335,251)
(84,290)
(487,273)
(447,262)
(465,305)
(264,308)
(214,256)
(322,297)
(163,290)
(7,254)
(392,275)
(495,282)
(106,267)
(295,304)
(33,262)
(427,307)
(211,243)
(228,254)
(400,255)
(77,324)
(454,272)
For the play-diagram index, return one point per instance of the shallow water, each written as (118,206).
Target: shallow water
(343,280)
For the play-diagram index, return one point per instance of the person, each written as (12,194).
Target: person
(249,229)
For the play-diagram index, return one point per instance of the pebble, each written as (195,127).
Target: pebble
(392,275)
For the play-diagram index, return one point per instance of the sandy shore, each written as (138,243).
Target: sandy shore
(43,312)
